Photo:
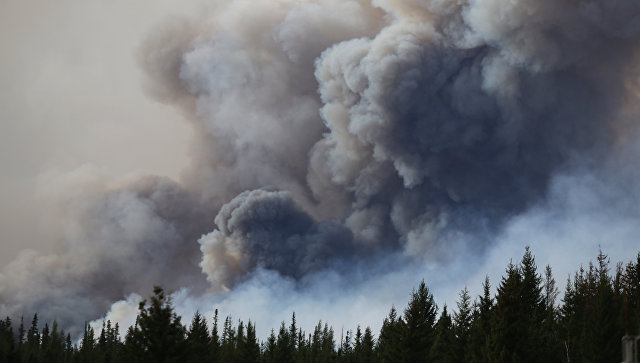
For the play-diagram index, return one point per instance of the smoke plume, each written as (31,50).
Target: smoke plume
(355,136)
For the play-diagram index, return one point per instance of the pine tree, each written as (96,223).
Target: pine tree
(327,344)
(631,300)
(462,320)
(418,332)
(53,351)
(269,355)
(284,351)
(357,344)
(69,349)
(602,340)
(365,353)
(507,328)
(303,347)
(198,340)
(444,346)
(228,343)
(481,326)
(33,341)
(293,332)
(7,342)
(87,346)
(250,349)
(533,310)
(389,345)
(550,328)
(214,346)
(345,352)
(161,334)
(21,352)
(133,349)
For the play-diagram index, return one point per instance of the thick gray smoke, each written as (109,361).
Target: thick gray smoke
(116,241)
(265,228)
(335,131)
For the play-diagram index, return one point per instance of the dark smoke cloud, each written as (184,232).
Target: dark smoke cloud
(336,131)
(266,229)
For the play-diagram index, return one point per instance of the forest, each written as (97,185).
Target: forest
(524,321)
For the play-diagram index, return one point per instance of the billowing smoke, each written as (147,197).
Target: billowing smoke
(265,228)
(352,135)
(115,241)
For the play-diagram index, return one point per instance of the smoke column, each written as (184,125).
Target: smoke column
(356,137)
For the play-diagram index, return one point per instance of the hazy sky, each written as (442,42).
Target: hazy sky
(71,95)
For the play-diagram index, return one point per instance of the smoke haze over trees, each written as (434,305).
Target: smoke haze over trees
(523,322)
(343,145)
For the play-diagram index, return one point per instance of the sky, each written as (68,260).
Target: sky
(72,96)
(264,157)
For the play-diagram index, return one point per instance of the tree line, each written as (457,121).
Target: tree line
(522,322)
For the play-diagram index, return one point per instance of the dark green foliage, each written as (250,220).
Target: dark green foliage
(592,319)
(249,349)
(418,332)
(322,344)
(518,321)
(444,347)
(214,343)
(7,342)
(228,341)
(462,322)
(389,347)
(198,340)
(160,335)
(631,293)
(364,353)
(478,350)
(284,350)
(522,323)
(87,351)
(54,346)
(269,349)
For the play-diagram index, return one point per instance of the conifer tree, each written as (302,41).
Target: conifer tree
(462,321)
(602,340)
(133,349)
(444,346)
(418,332)
(21,337)
(389,345)
(33,341)
(198,340)
(249,349)
(269,351)
(345,352)
(357,343)
(284,347)
(54,350)
(507,331)
(365,353)
(69,349)
(228,342)
(87,345)
(481,325)
(8,351)
(550,328)
(162,335)
(214,346)
(304,346)
(533,312)
(631,300)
